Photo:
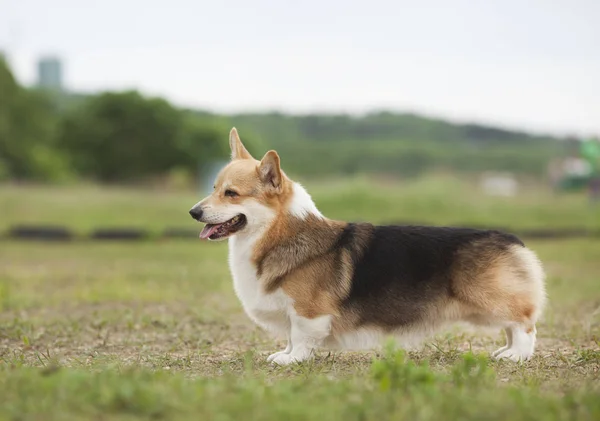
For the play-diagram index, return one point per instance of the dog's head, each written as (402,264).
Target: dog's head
(247,195)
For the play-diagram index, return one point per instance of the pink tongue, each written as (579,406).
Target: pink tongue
(209,230)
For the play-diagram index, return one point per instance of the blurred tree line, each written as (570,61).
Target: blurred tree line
(125,137)
(404,144)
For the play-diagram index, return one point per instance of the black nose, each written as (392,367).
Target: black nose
(196,213)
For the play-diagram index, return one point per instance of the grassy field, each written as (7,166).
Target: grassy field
(440,199)
(153,330)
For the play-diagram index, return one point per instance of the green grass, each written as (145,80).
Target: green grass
(441,199)
(393,389)
(153,330)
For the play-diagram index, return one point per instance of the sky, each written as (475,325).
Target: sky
(532,65)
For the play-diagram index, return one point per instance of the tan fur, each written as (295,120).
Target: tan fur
(495,285)
(243,177)
(291,244)
(238,150)
(297,256)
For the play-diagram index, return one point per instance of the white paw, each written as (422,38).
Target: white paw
(513,355)
(275,355)
(499,351)
(284,359)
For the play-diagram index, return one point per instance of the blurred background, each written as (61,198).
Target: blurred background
(444,112)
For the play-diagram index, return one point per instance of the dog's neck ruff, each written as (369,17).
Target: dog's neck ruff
(302,205)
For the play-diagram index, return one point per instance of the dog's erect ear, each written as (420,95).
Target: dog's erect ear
(270,171)
(238,151)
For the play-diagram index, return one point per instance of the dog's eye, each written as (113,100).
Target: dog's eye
(231,193)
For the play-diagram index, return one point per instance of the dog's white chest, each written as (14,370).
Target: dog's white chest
(267,310)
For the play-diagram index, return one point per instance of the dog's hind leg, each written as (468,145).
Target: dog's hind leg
(524,284)
(509,340)
(522,346)
(504,289)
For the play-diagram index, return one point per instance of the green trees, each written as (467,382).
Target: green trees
(108,137)
(400,144)
(27,132)
(125,137)
(122,136)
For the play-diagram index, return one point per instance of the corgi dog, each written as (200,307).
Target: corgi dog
(322,283)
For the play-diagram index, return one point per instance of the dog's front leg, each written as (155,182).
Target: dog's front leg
(286,351)
(306,335)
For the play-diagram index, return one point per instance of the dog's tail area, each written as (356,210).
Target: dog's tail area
(504,287)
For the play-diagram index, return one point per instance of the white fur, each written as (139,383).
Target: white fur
(302,204)
(519,344)
(287,350)
(360,339)
(306,336)
(372,338)
(267,310)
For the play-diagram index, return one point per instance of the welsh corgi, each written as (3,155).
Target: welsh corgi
(322,283)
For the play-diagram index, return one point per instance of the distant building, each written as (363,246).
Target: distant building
(50,73)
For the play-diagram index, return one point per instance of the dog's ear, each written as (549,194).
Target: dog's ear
(270,171)
(238,151)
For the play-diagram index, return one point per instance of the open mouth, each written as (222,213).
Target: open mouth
(223,230)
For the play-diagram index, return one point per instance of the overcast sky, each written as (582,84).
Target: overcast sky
(531,64)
